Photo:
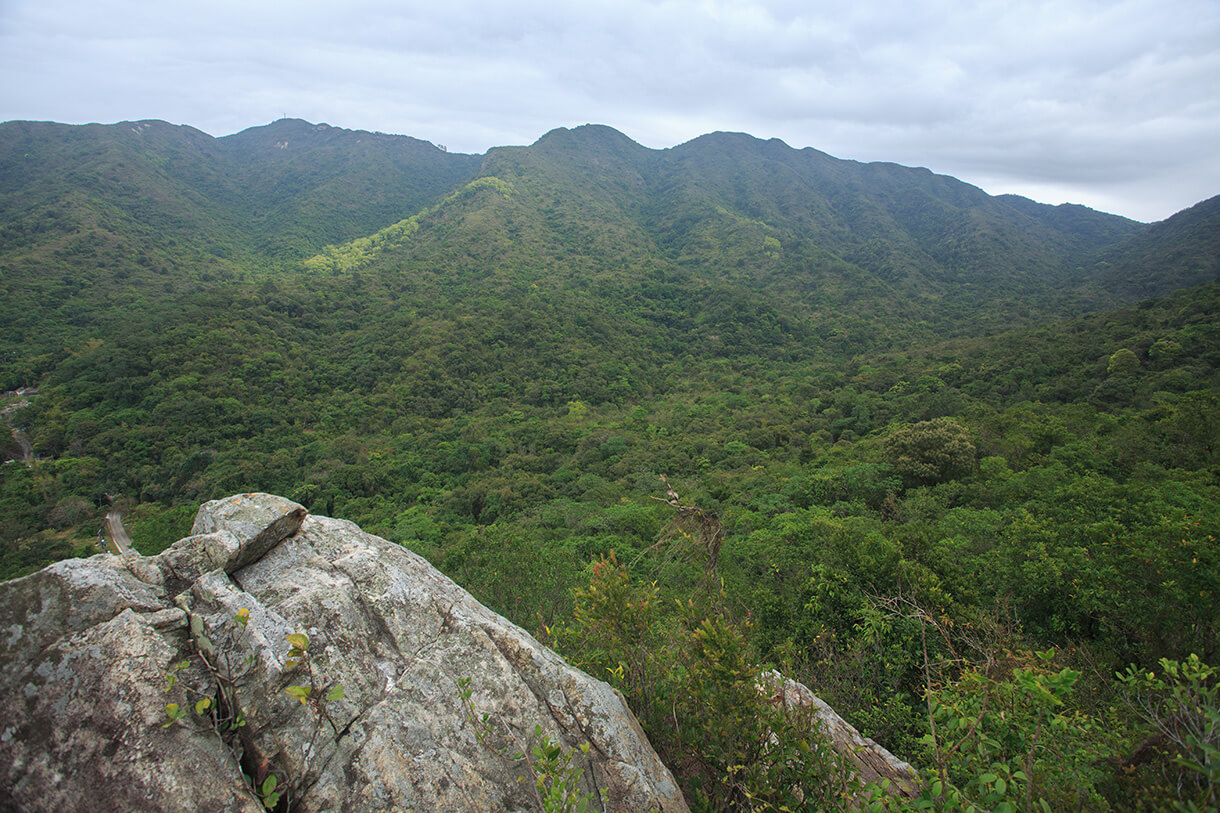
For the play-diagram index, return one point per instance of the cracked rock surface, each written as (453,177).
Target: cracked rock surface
(88,646)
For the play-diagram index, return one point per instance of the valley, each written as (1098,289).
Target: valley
(960,450)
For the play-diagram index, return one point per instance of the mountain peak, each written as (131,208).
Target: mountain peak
(588,136)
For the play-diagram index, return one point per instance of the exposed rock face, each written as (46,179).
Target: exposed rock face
(88,645)
(867,760)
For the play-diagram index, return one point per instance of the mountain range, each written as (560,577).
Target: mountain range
(87,209)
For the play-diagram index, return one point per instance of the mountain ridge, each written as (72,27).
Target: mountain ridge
(91,211)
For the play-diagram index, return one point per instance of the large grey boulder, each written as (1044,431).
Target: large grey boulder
(409,694)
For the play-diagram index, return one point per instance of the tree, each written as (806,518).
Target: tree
(1123,363)
(931,452)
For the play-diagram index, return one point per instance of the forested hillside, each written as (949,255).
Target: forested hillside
(949,459)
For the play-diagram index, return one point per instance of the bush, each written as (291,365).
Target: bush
(1182,704)
(70,511)
(691,680)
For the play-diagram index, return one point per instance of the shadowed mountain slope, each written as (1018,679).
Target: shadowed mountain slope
(1175,253)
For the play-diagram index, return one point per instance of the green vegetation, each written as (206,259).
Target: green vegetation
(958,477)
(691,679)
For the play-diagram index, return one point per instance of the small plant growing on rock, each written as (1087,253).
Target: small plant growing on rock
(316,697)
(556,781)
(218,708)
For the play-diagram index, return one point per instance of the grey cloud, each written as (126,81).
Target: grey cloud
(1096,101)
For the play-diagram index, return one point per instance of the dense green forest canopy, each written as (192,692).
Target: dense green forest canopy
(905,403)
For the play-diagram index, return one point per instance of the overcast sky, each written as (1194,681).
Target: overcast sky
(1111,103)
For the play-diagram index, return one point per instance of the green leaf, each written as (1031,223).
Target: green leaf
(270,784)
(299,692)
(335,693)
(299,640)
(203,705)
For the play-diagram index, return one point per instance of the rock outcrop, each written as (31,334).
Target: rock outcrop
(866,760)
(404,693)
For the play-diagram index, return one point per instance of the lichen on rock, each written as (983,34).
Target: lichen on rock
(90,644)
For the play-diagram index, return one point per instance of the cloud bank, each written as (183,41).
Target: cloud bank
(1110,104)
